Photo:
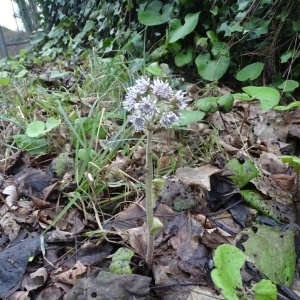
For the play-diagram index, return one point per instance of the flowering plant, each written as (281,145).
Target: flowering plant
(152,104)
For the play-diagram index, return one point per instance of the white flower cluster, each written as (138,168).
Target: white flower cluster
(153,102)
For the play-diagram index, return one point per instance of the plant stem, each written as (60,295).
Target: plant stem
(149,202)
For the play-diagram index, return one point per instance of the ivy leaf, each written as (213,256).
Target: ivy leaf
(268,97)
(159,52)
(152,17)
(37,37)
(212,69)
(178,31)
(289,106)
(242,96)
(208,104)
(225,102)
(184,57)
(189,116)
(38,128)
(4,79)
(289,85)
(250,72)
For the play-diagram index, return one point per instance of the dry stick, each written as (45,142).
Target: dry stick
(223,121)
(149,202)
(246,114)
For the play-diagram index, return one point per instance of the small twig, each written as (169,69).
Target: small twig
(223,121)
(246,113)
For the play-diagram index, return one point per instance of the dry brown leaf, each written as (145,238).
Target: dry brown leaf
(270,163)
(230,149)
(287,182)
(215,237)
(133,216)
(138,239)
(203,220)
(59,235)
(121,162)
(39,203)
(197,176)
(227,222)
(35,280)
(12,196)
(9,225)
(67,275)
(40,275)
(55,291)
(49,189)
(270,188)
(163,162)
(204,293)
(21,295)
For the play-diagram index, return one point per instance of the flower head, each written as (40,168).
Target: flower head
(168,118)
(147,107)
(142,84)
(138,121)
(180,99)
(161,89)
(153,102)
(131,98)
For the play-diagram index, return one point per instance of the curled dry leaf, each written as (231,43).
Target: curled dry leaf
(138,239)
(35,280)
(39,203)
(12,196)
(39,276)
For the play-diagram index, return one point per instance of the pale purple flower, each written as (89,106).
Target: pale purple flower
(142,84)
(129,103)
(147,107)
(168,118)
(180,99)
(148,97)
(131,98)
(161,89)
(138,121)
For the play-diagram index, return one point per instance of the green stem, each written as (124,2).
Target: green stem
(149,202)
